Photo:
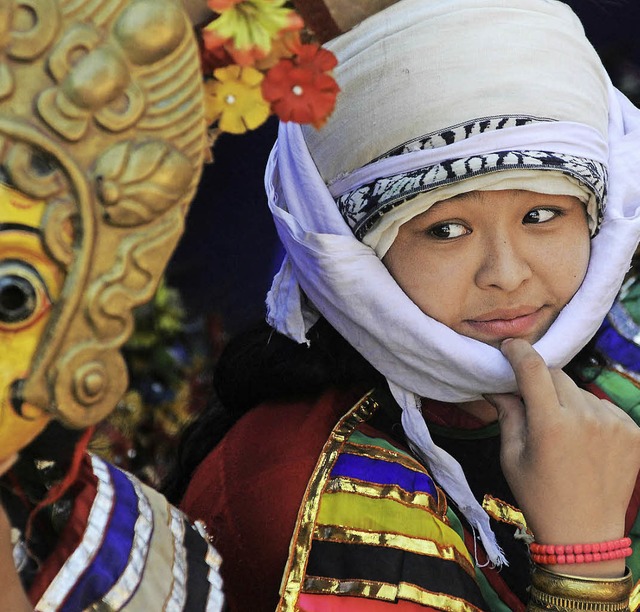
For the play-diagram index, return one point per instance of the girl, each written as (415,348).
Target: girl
(455,235)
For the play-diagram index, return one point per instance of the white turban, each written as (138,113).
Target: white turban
(460,95)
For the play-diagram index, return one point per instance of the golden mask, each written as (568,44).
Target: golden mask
(102,138)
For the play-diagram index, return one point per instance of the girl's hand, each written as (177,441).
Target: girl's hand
(570,458)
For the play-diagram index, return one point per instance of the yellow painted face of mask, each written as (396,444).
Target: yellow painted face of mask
(30,283)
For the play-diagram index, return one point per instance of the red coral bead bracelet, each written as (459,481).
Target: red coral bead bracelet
(552,554)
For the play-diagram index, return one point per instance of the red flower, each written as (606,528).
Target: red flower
(317,57)
(299,89)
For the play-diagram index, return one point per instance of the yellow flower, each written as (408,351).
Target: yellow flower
(252,24)
(234,99)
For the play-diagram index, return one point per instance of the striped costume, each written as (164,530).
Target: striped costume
(125,547)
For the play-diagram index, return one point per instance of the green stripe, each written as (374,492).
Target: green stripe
(357,437)
(623,392)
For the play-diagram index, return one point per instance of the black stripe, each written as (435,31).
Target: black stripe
(392,566)
(8,227)
(197,569)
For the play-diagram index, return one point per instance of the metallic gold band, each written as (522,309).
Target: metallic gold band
(552,591)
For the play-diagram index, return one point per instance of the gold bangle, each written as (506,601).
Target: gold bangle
(559,592)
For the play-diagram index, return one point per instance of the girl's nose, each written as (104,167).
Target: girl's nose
(502,264)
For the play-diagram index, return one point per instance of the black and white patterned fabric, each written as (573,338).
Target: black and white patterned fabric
(363,206)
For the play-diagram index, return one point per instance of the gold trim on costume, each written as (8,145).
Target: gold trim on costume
(392,492)
(384,454)
(420,546)
(503,512)
(387,592)
(301,541)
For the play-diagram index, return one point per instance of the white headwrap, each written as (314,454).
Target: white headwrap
(516,77)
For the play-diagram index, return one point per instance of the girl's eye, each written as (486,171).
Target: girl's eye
(447,231)
(540,215)
(23,295)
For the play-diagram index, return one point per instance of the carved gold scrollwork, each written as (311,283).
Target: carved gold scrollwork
(90,79)
(136,182)
(150,30)
(88,395)
(130,281)
(88,383)
(34,26)
(27,29)
(114,147)
(77,42)
(6,76)
(6,81)
(38,186)
(58,230)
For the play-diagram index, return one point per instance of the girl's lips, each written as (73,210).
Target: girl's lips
(508,327)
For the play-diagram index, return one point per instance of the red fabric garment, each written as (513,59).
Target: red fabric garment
(249,488)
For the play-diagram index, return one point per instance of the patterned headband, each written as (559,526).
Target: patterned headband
(361,207)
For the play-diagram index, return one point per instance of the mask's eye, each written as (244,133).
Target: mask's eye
(23,295)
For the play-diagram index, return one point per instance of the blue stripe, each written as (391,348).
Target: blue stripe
(617,348)
(113,555)
(383,473)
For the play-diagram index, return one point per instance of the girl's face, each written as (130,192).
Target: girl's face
(493,264)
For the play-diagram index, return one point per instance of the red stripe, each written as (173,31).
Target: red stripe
(333,603)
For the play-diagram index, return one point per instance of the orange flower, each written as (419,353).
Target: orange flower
(213,52)
(299,89)
(286,45)
(218,52)
(219,6)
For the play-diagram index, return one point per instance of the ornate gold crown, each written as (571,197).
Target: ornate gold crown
(101,116)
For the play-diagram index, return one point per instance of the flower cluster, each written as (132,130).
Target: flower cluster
(256,64)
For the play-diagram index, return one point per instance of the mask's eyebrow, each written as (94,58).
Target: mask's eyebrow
(8,227)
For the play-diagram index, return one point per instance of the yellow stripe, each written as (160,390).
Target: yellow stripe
(363,513)
(419,546)
(386,592)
